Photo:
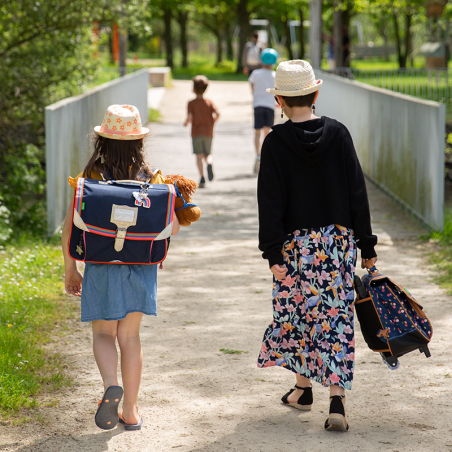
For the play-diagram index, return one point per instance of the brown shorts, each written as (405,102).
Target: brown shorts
(202,144)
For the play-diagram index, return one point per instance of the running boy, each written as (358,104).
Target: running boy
(263,102)
(202,114)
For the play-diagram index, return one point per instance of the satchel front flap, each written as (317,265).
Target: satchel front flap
(95,201)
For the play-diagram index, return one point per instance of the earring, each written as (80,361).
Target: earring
(282,114)
(313,109)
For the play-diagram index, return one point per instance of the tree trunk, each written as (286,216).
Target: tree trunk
(408,18)
(243,18)
(219,46)
(288,37)
(398,40)
(122,52)
(301,33)
(167,16)
(337,36)
(183,18)
(229,46)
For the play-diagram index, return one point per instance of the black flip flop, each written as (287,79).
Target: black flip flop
(127,426)
(107,414)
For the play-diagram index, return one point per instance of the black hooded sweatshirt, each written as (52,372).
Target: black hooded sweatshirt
(310,177)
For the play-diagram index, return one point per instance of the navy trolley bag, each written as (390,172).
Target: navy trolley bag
(121,222)
(392,321)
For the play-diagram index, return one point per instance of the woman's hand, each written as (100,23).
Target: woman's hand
(279,271)
(73,282)
(363,261)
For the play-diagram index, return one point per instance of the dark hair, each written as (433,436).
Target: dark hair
(299,101)
(255,34)
(200,84)
(123,158)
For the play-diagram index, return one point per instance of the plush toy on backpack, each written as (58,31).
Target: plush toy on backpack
(187,212)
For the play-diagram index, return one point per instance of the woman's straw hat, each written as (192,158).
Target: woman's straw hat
(122,122)
(295,78)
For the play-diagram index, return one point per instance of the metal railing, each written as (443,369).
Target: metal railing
(429,84)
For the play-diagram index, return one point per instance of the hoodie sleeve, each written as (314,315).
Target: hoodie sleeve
(271,203)
(359,204)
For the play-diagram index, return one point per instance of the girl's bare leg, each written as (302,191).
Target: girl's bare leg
(303,382)
(104,347)
(131,364)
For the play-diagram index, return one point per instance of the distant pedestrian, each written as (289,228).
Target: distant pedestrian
(251,54)
(313,213)
(263,102)
(202,114)
(115,296)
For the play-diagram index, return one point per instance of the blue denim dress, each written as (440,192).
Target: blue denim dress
(111,291)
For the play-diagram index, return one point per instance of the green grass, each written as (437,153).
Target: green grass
(228,351)
(33,311)
(442,257)
(154,115)
(206,66)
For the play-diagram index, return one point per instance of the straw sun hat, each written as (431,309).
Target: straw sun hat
(295,78)
(122,122)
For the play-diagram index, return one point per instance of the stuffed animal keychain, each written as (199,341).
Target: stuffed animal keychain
(186,210)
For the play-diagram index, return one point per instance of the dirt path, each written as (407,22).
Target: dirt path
(214,293)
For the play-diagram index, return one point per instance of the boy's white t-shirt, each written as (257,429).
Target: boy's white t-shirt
(261,80)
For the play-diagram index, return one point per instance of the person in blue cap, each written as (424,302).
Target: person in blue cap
(263,102)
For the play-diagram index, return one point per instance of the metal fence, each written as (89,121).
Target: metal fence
(429,84)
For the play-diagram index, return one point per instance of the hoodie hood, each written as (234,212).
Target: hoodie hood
(311,143)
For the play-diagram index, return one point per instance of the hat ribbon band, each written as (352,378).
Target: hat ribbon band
(118,132)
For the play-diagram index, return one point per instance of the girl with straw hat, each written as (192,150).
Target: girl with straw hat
(313,214)
(115,296)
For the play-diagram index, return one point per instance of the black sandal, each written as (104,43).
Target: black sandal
(336,421)
(304,402)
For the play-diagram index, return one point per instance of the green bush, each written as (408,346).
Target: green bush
(23,190)
(442,256)
(5,229)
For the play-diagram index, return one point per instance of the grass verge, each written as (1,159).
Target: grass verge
(154,115)
(442,257)
(32,309)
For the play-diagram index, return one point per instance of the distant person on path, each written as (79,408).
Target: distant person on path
(263,102)
(251,54)
(202,114)
(115,296)
(313,213)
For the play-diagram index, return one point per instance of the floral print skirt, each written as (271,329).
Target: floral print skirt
(312,331)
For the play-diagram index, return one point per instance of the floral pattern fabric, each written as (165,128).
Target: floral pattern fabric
(312,331)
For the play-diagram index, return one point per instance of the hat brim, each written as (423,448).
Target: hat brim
(117,136)
(299,92)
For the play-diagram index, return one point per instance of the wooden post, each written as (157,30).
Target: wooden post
(315,33)
(115,43)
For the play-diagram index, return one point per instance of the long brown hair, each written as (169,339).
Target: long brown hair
(124,159)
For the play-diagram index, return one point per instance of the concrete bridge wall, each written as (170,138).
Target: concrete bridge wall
(399,140)
(69,124)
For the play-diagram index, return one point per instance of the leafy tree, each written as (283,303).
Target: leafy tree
(402,13)
(216,16)
(46,54)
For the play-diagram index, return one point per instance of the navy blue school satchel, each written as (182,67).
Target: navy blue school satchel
(392,321)
(121,222)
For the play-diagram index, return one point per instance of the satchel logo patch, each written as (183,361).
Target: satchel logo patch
(141,201)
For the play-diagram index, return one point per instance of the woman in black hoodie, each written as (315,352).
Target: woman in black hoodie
(313,213)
